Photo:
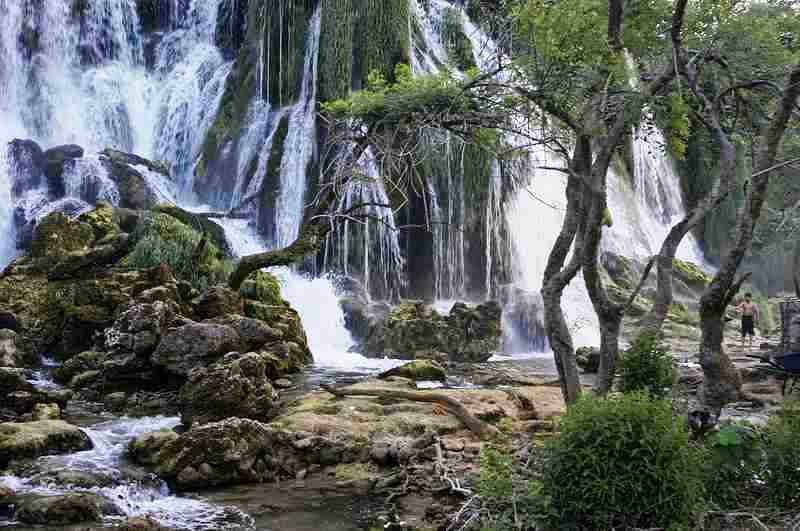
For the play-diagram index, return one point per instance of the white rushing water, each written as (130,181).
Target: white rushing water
(316,301)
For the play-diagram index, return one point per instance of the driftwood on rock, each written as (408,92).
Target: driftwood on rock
(456,408)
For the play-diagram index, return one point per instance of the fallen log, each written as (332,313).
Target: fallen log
(453,406)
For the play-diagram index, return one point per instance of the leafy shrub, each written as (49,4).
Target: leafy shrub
(162,239)
(508,494)
(646,366)
(732,463)
(782,468)
(622,462)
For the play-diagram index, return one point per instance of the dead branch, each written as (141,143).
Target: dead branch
(456,408)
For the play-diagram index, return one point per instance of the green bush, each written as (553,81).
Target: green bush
(622,462)
(731,465)
(163,239)
(782,468)
(646,366)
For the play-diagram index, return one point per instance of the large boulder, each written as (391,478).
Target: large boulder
(235,386)
(144,449)
(65,509)
(218,301)
(133,338)
(221,453)
(193,345)
(467,334)
(33,439)
(253,333)
(57,235)
(83,362)
(15,350)
(19,397)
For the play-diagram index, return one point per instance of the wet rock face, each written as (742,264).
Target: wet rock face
(134,191)
(144,448)
(64,510)
(57,235)
(192,345)
(15,350)
(55,160)
(236,386)
(18,397)
(33,439)
(28,160)
(467,334)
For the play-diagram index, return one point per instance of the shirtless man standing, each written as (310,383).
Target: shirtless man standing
(749,319)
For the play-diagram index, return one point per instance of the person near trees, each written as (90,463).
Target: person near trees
(749,318)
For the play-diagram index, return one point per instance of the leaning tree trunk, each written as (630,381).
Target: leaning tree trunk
(722,381)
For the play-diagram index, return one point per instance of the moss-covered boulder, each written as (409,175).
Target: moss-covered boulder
(16,350)
(81,363)
(235,386)
(221,453)
(73,508)
(262,287)
(144,448)
(58,235)
(134,190)
(418,370)
(691,274)
(33,439)
(466,334)
(199,223)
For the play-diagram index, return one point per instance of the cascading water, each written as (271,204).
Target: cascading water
(300,143)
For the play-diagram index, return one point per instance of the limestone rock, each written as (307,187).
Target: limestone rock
(588,359)
(34,439)
(57,235)
(227,452)
(126,170)
(236,386)
(418,370)
(15,350)
(193,345)
(19,397)
(254,333)
(218,301)
(83,362)
(144,449)
(64,510)
(28,159)
(46,412)
(132,340)
(466,334)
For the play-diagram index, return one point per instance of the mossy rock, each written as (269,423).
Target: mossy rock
(33,439)
(200,224)
(263,287)
(419,370)
(691,274)
(57,235)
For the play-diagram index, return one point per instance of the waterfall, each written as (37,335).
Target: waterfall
(299,144)
(87,179)
(7,231)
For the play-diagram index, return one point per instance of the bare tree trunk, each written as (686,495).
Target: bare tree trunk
(557,277)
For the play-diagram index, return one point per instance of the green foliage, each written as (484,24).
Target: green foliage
(162,239)
(731,464)
(395,103)
(622,462)
(678,132)
(264,287)
(782,471)
(508,496)
(646,366)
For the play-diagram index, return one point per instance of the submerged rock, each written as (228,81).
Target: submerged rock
(65,509)
(236,386)
(33,439)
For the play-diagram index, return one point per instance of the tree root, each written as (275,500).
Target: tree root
(480,428)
